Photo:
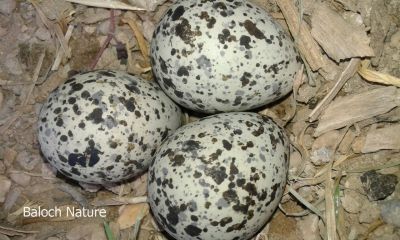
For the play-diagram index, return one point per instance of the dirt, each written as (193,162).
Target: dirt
(27,180)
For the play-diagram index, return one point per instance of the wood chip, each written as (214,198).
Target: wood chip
(382,138)
(306,44)
(354,108)
(130,213)
(340,39)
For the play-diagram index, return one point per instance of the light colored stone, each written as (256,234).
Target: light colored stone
(7,6)
(390,212)
(148,29)
(369,212)
(308,227)
(11,198)
(43,34)
(92,231)
(4,237)
(395,40)
(323,147)
(41,187)
(321,156)
(351,201)
(2,167)
(12,64)
(5,185)
(90,187)
(48,171)
(384,232)
(21,179)
(53,238)
(27,160)
(149,5)
(295,162)
(356,231)
(89,29)
(353,182)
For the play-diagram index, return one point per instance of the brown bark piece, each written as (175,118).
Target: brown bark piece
(306,44)
(354,108)
(340,39)
(382,138)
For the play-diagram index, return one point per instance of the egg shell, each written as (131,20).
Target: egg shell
(219,178)
(104,126)
(222,56)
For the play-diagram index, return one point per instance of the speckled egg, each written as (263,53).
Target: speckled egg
(104,126)
(221,56)
(219,178)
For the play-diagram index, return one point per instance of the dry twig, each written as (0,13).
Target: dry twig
(306,44)
(106,4)
(347,73)
(60,54)
(110,36)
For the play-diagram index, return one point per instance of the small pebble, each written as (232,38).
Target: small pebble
(351,201)
(27,160)
(2,167)
(308,227)
(369,212)
(5,185)
(4,237)
(11,198)
(321,156)
(378,186)
(43,34)
(7,6)
(390,212)
(148,29)
(323,146)
(295,162)
(395,40)
(21,179)
(90,187)
(9,156)
(85,231)
(146,4)
(48,171)
(12,64)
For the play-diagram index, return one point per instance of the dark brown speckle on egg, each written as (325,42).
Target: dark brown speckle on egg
(204,52)
(99,127)
(225,173)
